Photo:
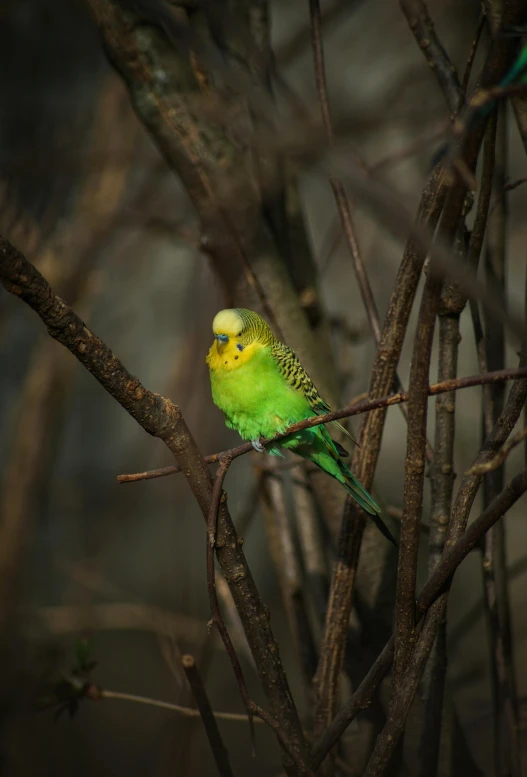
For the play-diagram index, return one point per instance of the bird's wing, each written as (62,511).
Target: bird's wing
(293,372)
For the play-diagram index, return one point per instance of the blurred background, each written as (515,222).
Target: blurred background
(86,196)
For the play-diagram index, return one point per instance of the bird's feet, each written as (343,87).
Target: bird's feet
(257,445)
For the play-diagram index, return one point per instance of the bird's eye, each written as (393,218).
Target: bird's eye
(239,334)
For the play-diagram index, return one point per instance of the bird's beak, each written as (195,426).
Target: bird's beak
(221,342)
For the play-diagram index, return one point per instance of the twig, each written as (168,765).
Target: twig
(413,148)
(217,620)
(364,406)
(472,53)
(480,104)
(508,187)
(162,419)
(189,712)
(311,544)
(288,571)
(232,618)
(460,513)
(432,589)
(413,479)
(385,203)
(217,746)
(438,60)
(389,737)
(442,482)
(365,458)
(374,194)
(494,565)
(341,200)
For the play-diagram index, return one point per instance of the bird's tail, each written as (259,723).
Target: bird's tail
(361,496)
(359,493)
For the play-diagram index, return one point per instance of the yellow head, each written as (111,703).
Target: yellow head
(237,332)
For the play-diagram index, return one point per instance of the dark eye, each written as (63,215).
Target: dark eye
(239,334)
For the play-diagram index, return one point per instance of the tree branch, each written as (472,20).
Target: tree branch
(161,418)
(433,588)
(341,199)
(435,54)
(219,751)
(460,513)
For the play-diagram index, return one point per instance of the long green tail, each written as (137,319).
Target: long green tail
(358,492)
(317,446)
(361,496)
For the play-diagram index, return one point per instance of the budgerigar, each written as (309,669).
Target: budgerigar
(262,389)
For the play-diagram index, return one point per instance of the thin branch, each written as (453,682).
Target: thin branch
(472,53)
(413,479)
(475,248)
(212,521)
(494,564)
(287,563)
(189,712)
(442,483)
(435,54)
(217,746)
(311,544)
(432,589)
(365,458)
(364,406)
(389,737)
(341,200)
(458,522)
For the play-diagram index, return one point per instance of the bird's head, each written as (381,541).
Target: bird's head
(236,328)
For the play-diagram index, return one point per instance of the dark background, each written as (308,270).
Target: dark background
(86,196)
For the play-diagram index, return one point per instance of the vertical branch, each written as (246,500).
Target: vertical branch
(506,724)
(440,63)
(311,542)
(414,479)
(442,474)
(341,199)
(217,497)
(400,707)
(365,458)
(219,751)
(458,523)
(284,554)
(442,483)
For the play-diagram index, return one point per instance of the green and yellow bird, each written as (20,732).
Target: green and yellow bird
(262,389)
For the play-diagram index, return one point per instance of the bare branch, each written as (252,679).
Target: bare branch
(341,200)
(498,460)
(161,418)
(218,495)
(217,746)
(189,712)
(433,588)
(435,54)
